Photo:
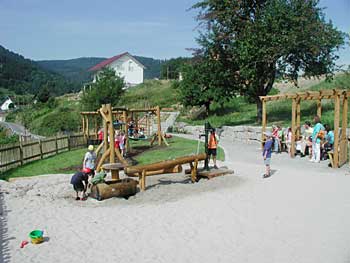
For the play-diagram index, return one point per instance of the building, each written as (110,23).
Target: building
(6,105)
(125,66)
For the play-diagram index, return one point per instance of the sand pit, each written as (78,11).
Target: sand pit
(300,214)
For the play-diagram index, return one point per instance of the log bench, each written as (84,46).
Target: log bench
(142,171)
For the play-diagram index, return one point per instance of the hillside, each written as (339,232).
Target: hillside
(20,75)
(76,70)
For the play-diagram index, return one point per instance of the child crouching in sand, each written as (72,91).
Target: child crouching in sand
(267,153)
(80,182)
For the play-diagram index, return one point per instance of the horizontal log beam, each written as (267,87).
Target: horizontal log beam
(164,164)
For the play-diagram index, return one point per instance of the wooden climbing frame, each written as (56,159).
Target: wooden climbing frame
(340,98)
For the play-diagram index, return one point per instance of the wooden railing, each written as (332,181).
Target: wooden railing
(17,154)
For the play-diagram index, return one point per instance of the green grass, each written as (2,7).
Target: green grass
(66,163)
(178,147)
(150,93)
(69,162)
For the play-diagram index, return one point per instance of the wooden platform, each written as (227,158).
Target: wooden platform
(201,173)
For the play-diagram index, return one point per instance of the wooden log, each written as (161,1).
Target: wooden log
(343,144)
(298,131)
(164,164)
(143,181)
(175,169)
(294,106)
(263,123)
(319,108)
(194,171)
(159,126)
(119,188)
(336,131)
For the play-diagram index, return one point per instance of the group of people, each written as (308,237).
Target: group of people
(315,142)
(119,140)
(134,132)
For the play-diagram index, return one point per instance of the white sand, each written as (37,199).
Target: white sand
(300,214)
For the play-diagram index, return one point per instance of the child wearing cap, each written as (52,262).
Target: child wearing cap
(267,153)
(80,183)
(90,159)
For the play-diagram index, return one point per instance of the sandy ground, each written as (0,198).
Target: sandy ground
(300,214)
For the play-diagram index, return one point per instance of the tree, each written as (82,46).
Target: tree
(171,68)
(44,93)
(258,39)
(108,88)
(204,82)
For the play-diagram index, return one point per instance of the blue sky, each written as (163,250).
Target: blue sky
(62,29)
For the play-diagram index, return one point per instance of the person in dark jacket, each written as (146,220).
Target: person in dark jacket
(80,182)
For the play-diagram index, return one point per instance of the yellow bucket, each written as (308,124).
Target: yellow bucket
(36,236)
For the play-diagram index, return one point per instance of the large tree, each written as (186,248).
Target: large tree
(258,39)
(108,88)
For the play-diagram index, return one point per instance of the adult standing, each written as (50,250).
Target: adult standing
(90,159)
(316,140)
(212,147)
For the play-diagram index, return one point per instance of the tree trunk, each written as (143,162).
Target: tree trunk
(258,110)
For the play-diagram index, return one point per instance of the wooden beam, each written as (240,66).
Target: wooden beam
(343,144)
(336,130)
(159,127)
(294,108)
(264,119)
(319,108)
(298,118)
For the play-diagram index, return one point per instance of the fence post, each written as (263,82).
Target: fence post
(68,142)
(41,149)
(21,151)
(56,144)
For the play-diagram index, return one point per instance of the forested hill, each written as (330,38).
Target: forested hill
(76,70)
(21,75)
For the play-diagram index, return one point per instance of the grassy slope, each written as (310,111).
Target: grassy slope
(150,93)
(239,112)
(69,162)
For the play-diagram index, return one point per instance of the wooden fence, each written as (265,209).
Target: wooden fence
(14,155)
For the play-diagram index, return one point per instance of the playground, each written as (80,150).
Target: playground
(297,215)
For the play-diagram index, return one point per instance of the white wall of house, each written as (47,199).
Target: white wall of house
(128,68)
(6,104)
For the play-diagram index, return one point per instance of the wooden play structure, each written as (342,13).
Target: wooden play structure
(340,98)
(105,117)
(170,166)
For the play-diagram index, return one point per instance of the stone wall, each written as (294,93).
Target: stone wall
(235,133)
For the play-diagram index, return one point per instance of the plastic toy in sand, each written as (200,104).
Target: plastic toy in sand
(36,236)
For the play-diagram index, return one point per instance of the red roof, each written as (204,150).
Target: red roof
(107,62)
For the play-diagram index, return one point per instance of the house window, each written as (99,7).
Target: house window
(131,68)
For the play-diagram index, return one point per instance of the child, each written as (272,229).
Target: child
(90,159)
(267,153)
(212,146)
(121,139)
(80,182)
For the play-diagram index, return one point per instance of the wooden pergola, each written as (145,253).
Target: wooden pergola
(340,98)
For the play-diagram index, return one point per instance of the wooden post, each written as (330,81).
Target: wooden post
(41,149)
(336,130)
(136,122)
(292,148)
(68,143)
(21,151)
(263,122)
(56,145)
(105,130)
(143,180)
(319,108)
(298,120)
(159,126)
(194,171)
(111,133)
(83,128)
(343,144)
(126,131)
(147,125)
(87,127)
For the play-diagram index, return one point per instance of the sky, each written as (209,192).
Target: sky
(65,29)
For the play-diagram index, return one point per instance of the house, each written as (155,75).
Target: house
(125,65)
(7,104)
